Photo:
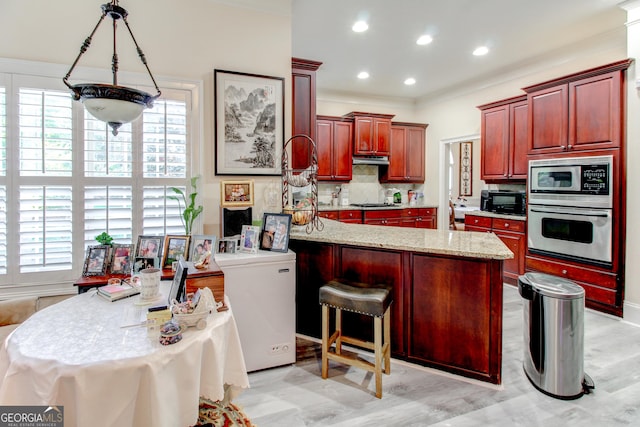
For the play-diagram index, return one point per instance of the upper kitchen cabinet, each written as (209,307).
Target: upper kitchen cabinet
(504,140)
(303,82)
(406,153)
(333,144)
(371,133)
(582,111)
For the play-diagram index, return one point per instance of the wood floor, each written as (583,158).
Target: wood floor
(295,395)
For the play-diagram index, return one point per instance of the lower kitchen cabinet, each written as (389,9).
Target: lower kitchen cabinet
(420,217)
(352,216)
(383,217)
(513,235)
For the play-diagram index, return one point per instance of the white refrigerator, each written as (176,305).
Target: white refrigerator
(262,293)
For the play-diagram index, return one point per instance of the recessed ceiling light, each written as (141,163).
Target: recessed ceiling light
(482,50)
(360,26)
(363,75)
(425,39)
(410,81)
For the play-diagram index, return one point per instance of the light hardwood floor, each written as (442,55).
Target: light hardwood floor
(295,395)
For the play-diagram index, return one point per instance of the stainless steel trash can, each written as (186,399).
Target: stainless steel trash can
(554,335)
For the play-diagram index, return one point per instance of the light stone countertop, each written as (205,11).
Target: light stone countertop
(445,242)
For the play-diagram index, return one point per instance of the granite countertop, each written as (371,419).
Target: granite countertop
(497,215)
(322,208)
(446,242)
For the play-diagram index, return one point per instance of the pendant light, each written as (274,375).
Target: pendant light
(112,104)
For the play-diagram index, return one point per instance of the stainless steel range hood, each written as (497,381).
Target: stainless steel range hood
(371,160)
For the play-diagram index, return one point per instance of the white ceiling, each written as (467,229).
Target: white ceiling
(518,32)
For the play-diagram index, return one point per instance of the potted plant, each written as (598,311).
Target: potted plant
(190,212)
(104,238)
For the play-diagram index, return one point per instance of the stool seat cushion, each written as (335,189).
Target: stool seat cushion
(357,297)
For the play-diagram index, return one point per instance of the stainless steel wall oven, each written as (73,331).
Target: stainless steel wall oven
(570,209)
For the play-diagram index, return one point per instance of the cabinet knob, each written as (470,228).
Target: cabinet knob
(504,174)
(569,147)
(564,271)
(506,225)
(475,221)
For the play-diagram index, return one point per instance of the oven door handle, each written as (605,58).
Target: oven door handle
(581,212)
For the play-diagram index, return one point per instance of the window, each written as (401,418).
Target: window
(65,178)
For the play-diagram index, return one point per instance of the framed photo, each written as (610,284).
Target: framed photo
(201,248)
(121,260)
(149,246)
(236,193)
(227,246)
(249,123)
(174,247)
(142,263)
(275,232)
(466,164)
(249,239)
(97,260)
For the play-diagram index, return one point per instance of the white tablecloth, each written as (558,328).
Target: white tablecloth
(76,354)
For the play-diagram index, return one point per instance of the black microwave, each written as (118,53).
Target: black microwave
(504,202)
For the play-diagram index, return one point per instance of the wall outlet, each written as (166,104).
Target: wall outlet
(280,348)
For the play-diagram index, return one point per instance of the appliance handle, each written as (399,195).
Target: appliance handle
(582,212)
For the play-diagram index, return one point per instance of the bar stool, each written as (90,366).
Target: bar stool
(360,298)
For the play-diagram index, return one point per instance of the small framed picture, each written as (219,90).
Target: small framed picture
(249,239)
(201,248)
(97,260)
(149,246)
(142,263)
(174,247)
(227,246)
(121,261)
(236,193)
(275,232)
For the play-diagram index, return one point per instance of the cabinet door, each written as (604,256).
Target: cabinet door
(414,159)
(495,143)
(342,151)
(303,111)
(397,157)
(518,164)
(548,120)
(324,148)
(382,135)
(512,268)
(595,112)
(364,134)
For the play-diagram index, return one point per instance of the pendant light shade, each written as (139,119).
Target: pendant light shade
(112,104)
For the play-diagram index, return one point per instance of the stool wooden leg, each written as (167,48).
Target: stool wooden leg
(325,340)
(387,341)
(377,344)
(339,331)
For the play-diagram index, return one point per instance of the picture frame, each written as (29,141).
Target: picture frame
(141,263)
(205,242)
(236,193)
(174,247)
(96,261)
(227,246)
(249,239)
(149,246)
(121,258)
(466,166)
(276,228)
(249,123)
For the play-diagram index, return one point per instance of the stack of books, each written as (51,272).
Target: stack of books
(117,292)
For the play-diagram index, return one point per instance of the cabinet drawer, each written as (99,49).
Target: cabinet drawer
(383,213)
(328,214)
(508,225)
(581,274)
(350,215)
(477,221)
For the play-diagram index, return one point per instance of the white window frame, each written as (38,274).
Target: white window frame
(14,283)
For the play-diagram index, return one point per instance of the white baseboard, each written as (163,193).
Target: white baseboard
(631,313)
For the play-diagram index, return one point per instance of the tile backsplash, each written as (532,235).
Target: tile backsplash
(364,187)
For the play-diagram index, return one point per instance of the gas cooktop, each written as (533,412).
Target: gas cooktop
(370,205)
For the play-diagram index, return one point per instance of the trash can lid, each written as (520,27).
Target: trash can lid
(554,286)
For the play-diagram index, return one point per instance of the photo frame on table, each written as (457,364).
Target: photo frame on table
(202,246)
(174,248)
(178,288)
(249,123)
(249,239)
(236,193)
(121,258)
(97,260)
(275,232)
(141,263)
(227,245)
(149,247)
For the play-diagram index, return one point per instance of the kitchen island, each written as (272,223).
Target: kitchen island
(447,290)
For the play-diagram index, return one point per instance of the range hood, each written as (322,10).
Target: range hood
(371,160)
